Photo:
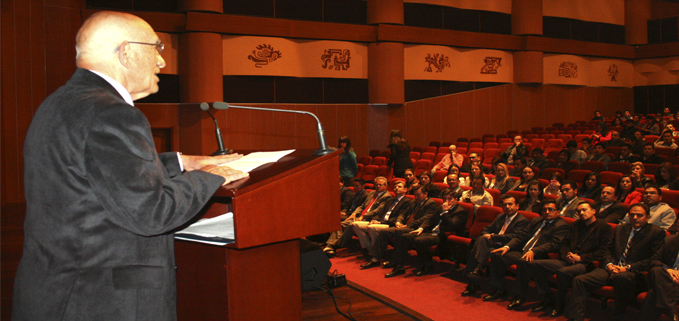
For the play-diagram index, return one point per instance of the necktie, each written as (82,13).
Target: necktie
(353,202)
(412,216)
(623,258)
(535,238)
(367,208)
(391,208)
(508,220)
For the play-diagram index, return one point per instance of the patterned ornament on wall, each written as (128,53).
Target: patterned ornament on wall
(491,66)
(337,59)
(568,70)
(613,72)
(439,61)
(263,55)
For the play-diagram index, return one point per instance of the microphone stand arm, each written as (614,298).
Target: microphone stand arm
(319,127)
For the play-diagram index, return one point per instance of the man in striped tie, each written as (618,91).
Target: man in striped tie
(663,296)
(629,254)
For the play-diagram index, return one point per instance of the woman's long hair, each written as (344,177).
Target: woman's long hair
(345,139)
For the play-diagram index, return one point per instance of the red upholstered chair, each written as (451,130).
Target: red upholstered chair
(495,193)
(615,150)
(490,145)
(379,161)
(651,138)
(624,168)
(489,154)
(573,132)
(593,166)
(430,149)
(484,136)
(418,149)
(415,155)
(518,195)
(573,125)
(443,149)
(530,136)
(359,172)
(538,142)
(565,137)
(557,132)
(558,125)
(555,144)
(577,175)
(666,151)
(386,153)
(529,146)
(441,185)
(484,216)
(529,215)
(385,172)
(579,138)
(476,145)
(429,156)
(422,165)
(439,176)
(434,143)
(504,146)
(489,140)
(610,178)
(500,136)
(462,139)
(651,168)
(504,140)
(461,144)
(374,152)
(369,173)
(671,198)
(543,181)
(512,133)
(546,137)
(461,150)
(588,132)
(535,129)
(365,160)
(526,132)
(553,155)
(475,139)
(547,173)
(439,157)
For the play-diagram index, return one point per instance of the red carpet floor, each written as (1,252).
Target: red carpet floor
(437,295)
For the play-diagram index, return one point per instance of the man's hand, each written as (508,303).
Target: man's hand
(417,231)
(229,174)
(488,236)
(374,222)
(529,256)
(574,258)
(399,225)
(612,268)
(503,249)
(446,206)
(674,274)
(192,163)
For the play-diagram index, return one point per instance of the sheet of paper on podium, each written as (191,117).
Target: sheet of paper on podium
(217,231)
(253,160)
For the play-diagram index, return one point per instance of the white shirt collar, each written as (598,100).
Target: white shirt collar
(117,86)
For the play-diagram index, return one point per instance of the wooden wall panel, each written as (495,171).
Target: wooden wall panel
(451,118)
(377,127)
(327,114)
(432,120)
(306,130)
(482,113)
(362,130)
(466,115)
(415,123)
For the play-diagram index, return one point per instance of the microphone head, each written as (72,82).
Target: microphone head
(204,106)
(220,105)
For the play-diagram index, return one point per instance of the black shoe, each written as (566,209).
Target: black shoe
(398,270)
(517,302)
(329,253)
(495,295)
(370,264)
(388,264)
(546,305)
(364,255)
(426,269)
(476,274)
(471,289)
(556,312)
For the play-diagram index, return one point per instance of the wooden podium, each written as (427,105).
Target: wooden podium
(258,276)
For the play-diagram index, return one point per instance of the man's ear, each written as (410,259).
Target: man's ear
(124,54)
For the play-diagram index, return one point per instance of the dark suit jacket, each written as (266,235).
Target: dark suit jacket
(101,208)
(643,246)
(550,239)
(667,253)
(630,159)
(593,247)
(359,199)
(422,215)
(345,198)
(377,209)
(400,213)
(653,159)
(612,214)
(571,208)
(454,220)
(516,228)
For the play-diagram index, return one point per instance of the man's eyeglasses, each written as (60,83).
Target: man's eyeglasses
(548,209)
(159,46)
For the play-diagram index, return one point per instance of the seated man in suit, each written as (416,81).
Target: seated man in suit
(356,199)
(649,156)
(598,155)
(609,209)
(519,165)
(615,140)
(568,203)
(660,214)
(516,151)
(663,294)
(373,206)
(345,196)
(454,182)
(588,242)
(398,210)
(628,130)
(539,160)
(452,218)
(626,155)
(452,158)
(544,235)
(504,228)
(629,254)
(422,210)
(474,158)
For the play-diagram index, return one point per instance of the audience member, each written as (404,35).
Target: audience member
(452,158)
(651,126)
(475,170)
(626,155)
(554,186)
(609,209)
(663,275)
(477,195)
(666,176)
(399,159)
(576,154)
(666,140)
(639,142)
(356,200)
(659,213)
(501,181)
(598,117)
(650,157)
(671,128)
(587,242)
(591,186)
(615,140)
(568,203)
(628,130)
(539,160)
(638,173)
(347,160)
(345,196)
(544,235)
(598,155)
(563,161)
(504,228)
(474,158)
(454,183)
(586,145)
(627,192)
(425,180)
(527,176)
(621,264)
(519,165)
(602,134)
(516,151)
(411,179)
(453,169)
(534,198)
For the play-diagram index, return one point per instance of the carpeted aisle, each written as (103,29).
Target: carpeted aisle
(437,296)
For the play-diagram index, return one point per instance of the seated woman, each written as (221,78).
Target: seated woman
(666,177)
(638,171)
(433,190)
(602,134)
(563,162)
(554,187)
(411,180)
(527,176)
(453,169)
(627,192)
(501,181)
(533,200)
(591,187)
(516,151)
(474,170)
(670,127)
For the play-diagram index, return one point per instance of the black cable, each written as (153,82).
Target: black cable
(325,288)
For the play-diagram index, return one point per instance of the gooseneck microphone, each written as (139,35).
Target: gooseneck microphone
(321,136)
(218,133)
